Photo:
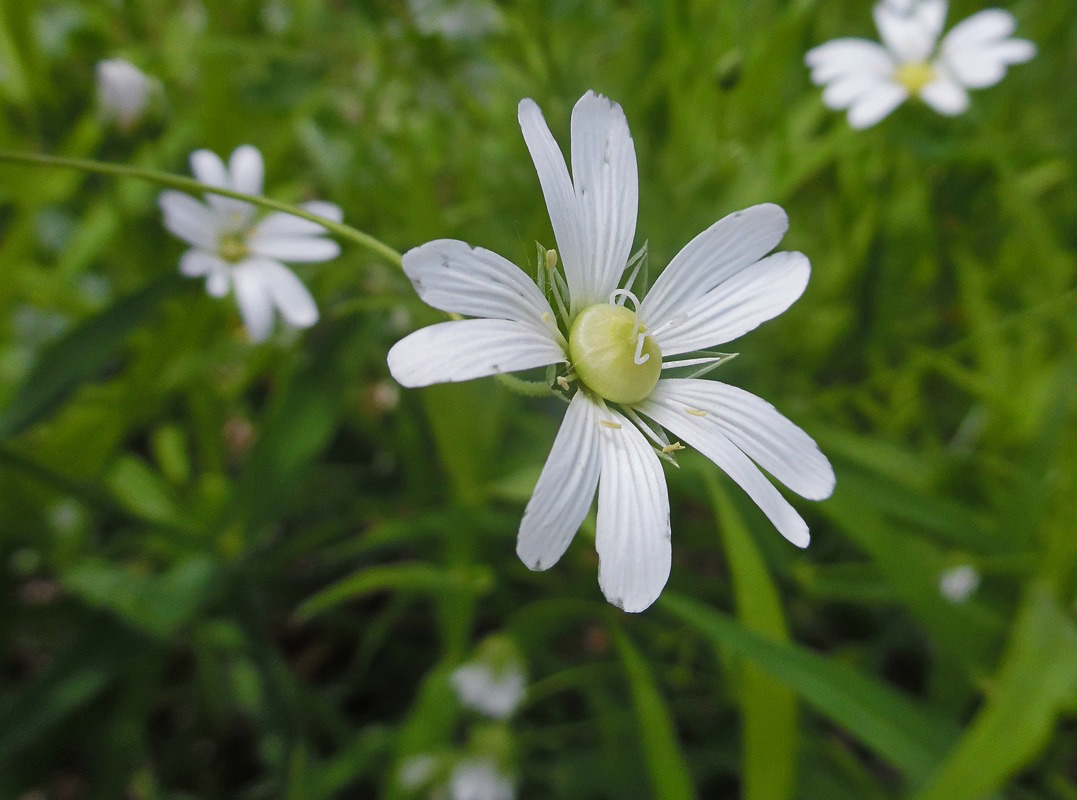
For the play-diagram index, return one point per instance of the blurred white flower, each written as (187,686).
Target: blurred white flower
(460,20)
(720,286)
(480,779)
(417,770)
(871,80)
(235,250)
(123,90)
(957,584)
(494,682)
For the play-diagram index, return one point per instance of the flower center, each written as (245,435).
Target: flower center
(915,77)
(232,247)
(612,355)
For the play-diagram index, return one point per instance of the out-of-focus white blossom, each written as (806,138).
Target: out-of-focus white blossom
(235,250)
(480,779)
(123,90)
(871,80)
(957,584)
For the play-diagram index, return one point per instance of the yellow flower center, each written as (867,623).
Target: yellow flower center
(915,77)
(232,247)
(612,355)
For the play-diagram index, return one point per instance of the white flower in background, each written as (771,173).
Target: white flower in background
(234,249)
(871,80)
(123,90)
(480,779)
(957,584)
(720,286)
(457,20)
(417,771)
(494,682)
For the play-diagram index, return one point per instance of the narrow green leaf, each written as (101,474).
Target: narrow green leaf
(669,771)
(80,355)
(1035,683)
(157,604)
(891,724)
(768,706)
(423,578)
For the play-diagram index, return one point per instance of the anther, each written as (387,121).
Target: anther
(609,424)
(562,381)
(695,412)
(670,448)
(551,259)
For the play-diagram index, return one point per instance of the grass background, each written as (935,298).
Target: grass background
(232,571)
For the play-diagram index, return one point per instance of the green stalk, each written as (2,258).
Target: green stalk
(339,229)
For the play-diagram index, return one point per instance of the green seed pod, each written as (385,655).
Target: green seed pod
(602,345)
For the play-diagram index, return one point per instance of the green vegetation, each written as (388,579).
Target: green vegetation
(245,572)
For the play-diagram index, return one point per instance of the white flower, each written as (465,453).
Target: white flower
(480,779)
(417,770)
(871,80)
(718,287)
(958,583)
(123,90)
(494,683)
(233,249)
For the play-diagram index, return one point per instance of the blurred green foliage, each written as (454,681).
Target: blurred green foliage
(244,572)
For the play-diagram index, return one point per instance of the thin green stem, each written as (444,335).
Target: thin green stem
(339,229)
(525,388)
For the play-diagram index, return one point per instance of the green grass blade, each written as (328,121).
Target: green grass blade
(421,578)
(665,762)
(80,355)
(891,724)
(1035,683)
(768,707)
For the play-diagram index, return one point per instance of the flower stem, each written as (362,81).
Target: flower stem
(339,229)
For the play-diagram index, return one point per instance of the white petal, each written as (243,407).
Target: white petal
(195,263)
(189,219)
(294,248)
(209,169)
(632,531)
(289,295)
(747,299)
(977,51)
(565,488)
(981,28)
(607,193)
(472,348)
(453,276)
(911,37)
(848,57)
(281,224)
(255,303)
(945,95)
(219,282)
(850,89)
(246,169)
(871,108)
(557,189)
(721,251)
(760,431)
(705,434)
